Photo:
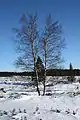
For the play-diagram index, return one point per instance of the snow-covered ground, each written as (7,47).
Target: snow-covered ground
(21,102)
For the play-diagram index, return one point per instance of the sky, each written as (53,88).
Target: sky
(67,12)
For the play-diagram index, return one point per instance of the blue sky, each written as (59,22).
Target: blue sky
(67,12)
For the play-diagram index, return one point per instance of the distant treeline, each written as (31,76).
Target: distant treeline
(50,72)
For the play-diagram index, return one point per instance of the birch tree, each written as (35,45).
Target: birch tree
(31,44)
(27,39)
(52,43)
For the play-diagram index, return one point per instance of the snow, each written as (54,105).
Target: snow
(22,103)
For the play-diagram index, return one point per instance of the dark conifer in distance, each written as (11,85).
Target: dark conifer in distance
(71,68)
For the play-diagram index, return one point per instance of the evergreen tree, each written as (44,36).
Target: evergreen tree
(71,68)
(39,64)
(40,68)
(71,78)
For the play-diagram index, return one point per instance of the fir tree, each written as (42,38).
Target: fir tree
(71,68)
(39,64)
(40,68)
(71,78)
